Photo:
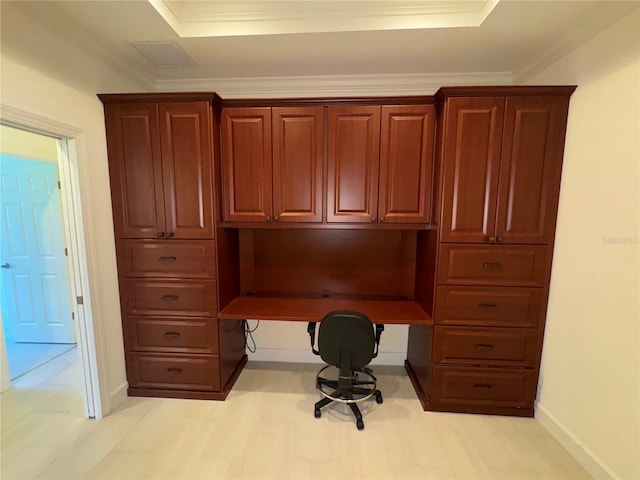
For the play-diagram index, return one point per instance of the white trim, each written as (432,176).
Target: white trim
(581,453)
(88,342)
(290,355)
(601,18)
(332,85)
(119,394)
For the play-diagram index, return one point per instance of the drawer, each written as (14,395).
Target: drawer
(488,306)
(177,372)
(513,347)
(189,298)
(501,265)
(490,387)
(171,335)
(168,258)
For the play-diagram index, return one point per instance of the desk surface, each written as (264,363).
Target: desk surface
(402,312)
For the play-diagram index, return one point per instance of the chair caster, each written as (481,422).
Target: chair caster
(379,398)
(360,425)
(317,413)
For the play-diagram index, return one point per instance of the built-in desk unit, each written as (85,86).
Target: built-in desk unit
(437,212)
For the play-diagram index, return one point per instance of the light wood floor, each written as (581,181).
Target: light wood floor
(265,429)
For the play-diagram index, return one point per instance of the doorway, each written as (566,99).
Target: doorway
(43,253)
(37,318)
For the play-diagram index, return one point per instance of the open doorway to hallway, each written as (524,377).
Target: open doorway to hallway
(37,317)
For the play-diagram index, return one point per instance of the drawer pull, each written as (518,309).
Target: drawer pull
(485,306)
(167,259)
(169,298)
(174,370)
(482,386)
(171,334)
(484,346)
(492,265)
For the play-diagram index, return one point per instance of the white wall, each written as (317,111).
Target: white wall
(51,89)
(27,144)
(589,396)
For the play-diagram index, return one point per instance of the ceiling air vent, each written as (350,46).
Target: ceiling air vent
(163,54)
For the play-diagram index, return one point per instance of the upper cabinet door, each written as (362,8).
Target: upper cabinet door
(406,164)
(530,168)
(471,157)
(187,169)
(298,151)
(352,182)
(135,170)
(246,164)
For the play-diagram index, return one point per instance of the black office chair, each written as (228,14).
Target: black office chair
(346,341)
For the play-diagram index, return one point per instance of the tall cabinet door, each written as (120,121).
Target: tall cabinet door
(353,161)
(406,163)
(471,161)
(298,151)
(187,169)
(246,164)
(530,168)
(135,169)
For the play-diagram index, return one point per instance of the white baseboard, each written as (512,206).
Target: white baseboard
(305,356)
(118,395)
(585,457)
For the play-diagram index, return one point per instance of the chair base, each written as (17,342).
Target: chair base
(349,391)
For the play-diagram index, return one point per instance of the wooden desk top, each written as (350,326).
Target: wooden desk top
(402,312)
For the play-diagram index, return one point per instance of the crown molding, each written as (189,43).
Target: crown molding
(333,85)
(228,17)
(52,18)
(589,28)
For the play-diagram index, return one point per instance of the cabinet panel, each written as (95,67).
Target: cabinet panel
(135,169)
(187,165)
(176,372)
(171,335)
(298,152)
(246,164)
(173,258)
(516,265)
(352,183)
(406,163)
(530,168)
(489,306)
(484,386)
(471,157)
(508,347)
(189,298)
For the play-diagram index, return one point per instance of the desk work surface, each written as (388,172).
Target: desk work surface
(402,312)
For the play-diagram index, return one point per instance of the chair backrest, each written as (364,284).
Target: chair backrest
(345,330)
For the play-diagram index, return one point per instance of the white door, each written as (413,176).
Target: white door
(35,293)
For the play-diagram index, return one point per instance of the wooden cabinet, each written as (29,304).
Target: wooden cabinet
(160,168)
(502,162)
(162,183)
(380,163)
(489,264)
(273,164)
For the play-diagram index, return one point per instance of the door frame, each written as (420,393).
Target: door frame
(70,140)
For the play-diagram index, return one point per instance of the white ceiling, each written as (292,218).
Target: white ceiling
(235,43)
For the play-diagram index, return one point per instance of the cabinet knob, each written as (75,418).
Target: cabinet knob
(268,218)
(170,234)
(160,234)
(276,218)
(373,219)
(501,239)
(491,239)
(382,219)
